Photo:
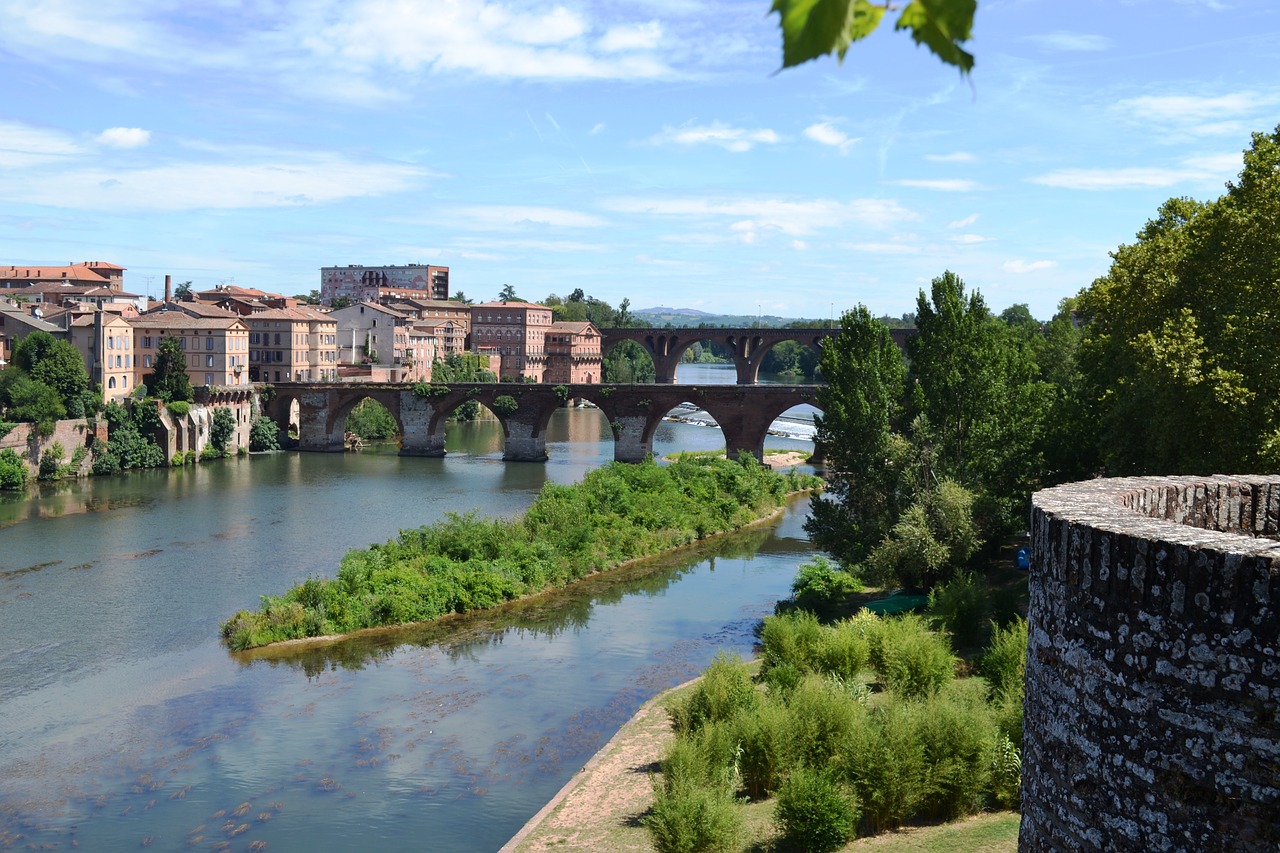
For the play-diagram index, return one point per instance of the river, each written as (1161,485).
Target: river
(124,722)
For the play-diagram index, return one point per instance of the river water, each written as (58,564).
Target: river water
(124,722)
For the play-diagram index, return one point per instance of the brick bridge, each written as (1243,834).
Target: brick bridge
(747,346)
(744,413)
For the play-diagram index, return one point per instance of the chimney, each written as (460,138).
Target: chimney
(168,289)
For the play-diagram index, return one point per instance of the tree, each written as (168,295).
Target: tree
(460,297)
(264,434)
(32,401)
(861,406)
(508,294)
(170,382)
(814,28)
(182,293)
(1178,356)
(221,429)
(341,302)
(61,367)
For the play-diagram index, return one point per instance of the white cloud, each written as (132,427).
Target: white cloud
(1020,266)
(749,215)
(945,185)
(799,245)
(632,37)
(526,246)
(955,157)
(885,248)
(596,130)
(281,182)
(964,223)
(511,216)
(1232,114)
(1206,169)
(969,238)
(826,134)
(23,145)
(1072,42)
(124,137)
(734,139)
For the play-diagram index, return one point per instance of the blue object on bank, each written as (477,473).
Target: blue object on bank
(1024,559)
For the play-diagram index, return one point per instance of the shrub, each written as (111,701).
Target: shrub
(914,661)
(178,408)
(961,606)
(795,638)
(815,811)
(765,753)
(824,716)
(958,735)
(264,434)
(691,819)
(724,690)
(51,461)
(1005,663)
(505,405)
(821,585)
(13,471)
(885,761)
(221,428)
(846,650)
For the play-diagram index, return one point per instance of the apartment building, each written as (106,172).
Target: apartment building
(362,284)
(292,344)
(516,331)
(373,334)
(216,348)
(450,320)
(105,342)
(573,354)
(16,324)
(92,273)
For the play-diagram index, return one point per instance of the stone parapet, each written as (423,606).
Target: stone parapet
(1153,666)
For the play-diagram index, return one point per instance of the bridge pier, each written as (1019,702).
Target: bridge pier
(416,419)
(524,442)
(314,424)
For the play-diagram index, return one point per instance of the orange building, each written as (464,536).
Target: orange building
(517,332)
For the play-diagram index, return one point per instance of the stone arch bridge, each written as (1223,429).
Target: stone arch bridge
(747,346)
(744,413)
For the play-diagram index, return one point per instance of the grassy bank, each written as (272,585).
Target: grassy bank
(617,513)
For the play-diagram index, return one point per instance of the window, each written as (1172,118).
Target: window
(208,343)
(208,359)
(277,339)
(111,382)
(208,379)
(146,361)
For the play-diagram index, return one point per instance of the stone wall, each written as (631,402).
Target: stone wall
(71,434)
(1153,666)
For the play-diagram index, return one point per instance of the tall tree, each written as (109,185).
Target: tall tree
(1178,357)
(170,381)
(508,293)
(861,406)
(55,363)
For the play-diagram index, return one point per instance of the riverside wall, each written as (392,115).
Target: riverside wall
(1153,666)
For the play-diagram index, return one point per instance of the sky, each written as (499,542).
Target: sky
(649,149)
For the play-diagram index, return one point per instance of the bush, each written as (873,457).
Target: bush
(958,735)
(914,661)
(961,606)
(1005,663)
(13,471)
(505,405)
(821,585)
(824,717)
(690,819)
(178,408)
(264,434)
(51,461)
(724,690)
(885,762)
(765,753)
(815,811)
(221,428)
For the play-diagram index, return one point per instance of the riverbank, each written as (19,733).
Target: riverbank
(601,807)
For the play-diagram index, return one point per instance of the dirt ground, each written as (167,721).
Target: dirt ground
(599,809)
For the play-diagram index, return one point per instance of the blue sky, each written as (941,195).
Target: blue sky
(643,149)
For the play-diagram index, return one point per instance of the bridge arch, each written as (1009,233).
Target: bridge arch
(346,403)
(748,345)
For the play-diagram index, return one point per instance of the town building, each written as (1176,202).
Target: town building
(292,344)
(450,320)
(216,348)
(105,342)
(99,273)
(375,338)
(573,354)
(369,284)
(516,331)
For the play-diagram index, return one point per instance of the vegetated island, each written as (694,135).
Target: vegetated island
(618,513)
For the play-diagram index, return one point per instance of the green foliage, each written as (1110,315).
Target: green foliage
(1005,661)
(426,390)
(466,411)
(264,434)
(130,438)
(31,401)
(617,513)
(1178,356)
(462,367)
(962,607)
(505,405)
(13,471)
(55,363)
(51,461)
(816,811)
(913,661)
(178,408)
(822,586)
(372,421)
(860,406)
(932,540)
(814,28)
(562,393)
(6,428)
(170,381)
(221,428)
(694,819)
(793,359)
(724,690)
(626,363)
